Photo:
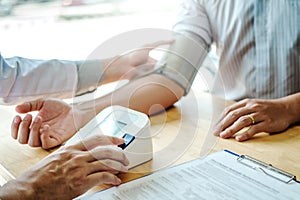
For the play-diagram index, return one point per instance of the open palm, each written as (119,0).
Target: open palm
(53,125)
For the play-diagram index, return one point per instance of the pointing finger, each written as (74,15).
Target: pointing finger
(97,140)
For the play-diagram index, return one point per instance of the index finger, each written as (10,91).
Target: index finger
(231,108)
(97,140)
(108,152)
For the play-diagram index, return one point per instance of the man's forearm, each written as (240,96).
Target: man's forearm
(148,94)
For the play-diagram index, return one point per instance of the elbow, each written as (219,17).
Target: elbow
(156,94)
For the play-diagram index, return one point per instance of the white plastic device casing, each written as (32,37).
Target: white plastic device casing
(124,123)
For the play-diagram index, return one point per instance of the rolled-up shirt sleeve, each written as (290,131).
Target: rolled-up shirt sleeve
(192,18)
(23,79)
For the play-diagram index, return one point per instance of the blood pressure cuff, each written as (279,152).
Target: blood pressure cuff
(183,59)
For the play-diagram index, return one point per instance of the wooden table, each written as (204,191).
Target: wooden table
(180,134)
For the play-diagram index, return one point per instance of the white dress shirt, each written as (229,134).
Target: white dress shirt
(24,79)
(258,42)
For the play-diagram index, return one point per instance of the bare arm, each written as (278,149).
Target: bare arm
(142,94)
(154,92)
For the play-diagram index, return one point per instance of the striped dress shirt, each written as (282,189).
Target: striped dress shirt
(257,41)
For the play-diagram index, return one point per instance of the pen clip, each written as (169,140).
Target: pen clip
(267,169)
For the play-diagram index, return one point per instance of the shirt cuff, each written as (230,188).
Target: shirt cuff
(90,75)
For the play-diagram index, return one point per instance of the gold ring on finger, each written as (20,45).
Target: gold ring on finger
(252,119)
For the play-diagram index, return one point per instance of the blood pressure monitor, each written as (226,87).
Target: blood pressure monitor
(125,123)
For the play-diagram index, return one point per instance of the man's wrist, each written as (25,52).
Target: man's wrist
(292,103)
(14,190)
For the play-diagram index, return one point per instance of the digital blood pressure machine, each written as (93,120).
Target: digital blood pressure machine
(125,123)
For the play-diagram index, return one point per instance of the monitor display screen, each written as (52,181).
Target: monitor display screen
(111,126)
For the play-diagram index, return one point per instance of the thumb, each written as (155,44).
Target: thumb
(159,43)
(30,106)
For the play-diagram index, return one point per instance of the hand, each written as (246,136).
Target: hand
(70,171)
(55,123)
(133,64)
(259,115)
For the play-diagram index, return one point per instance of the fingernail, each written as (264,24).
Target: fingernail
(16,120)
(117,141)
(239,138)
(121,140)
(223,134)
(37,119)
(118,181)
(27,117)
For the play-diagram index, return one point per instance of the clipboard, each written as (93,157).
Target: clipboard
(220,175)
(267,169)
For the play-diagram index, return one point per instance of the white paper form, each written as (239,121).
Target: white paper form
(218,176)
